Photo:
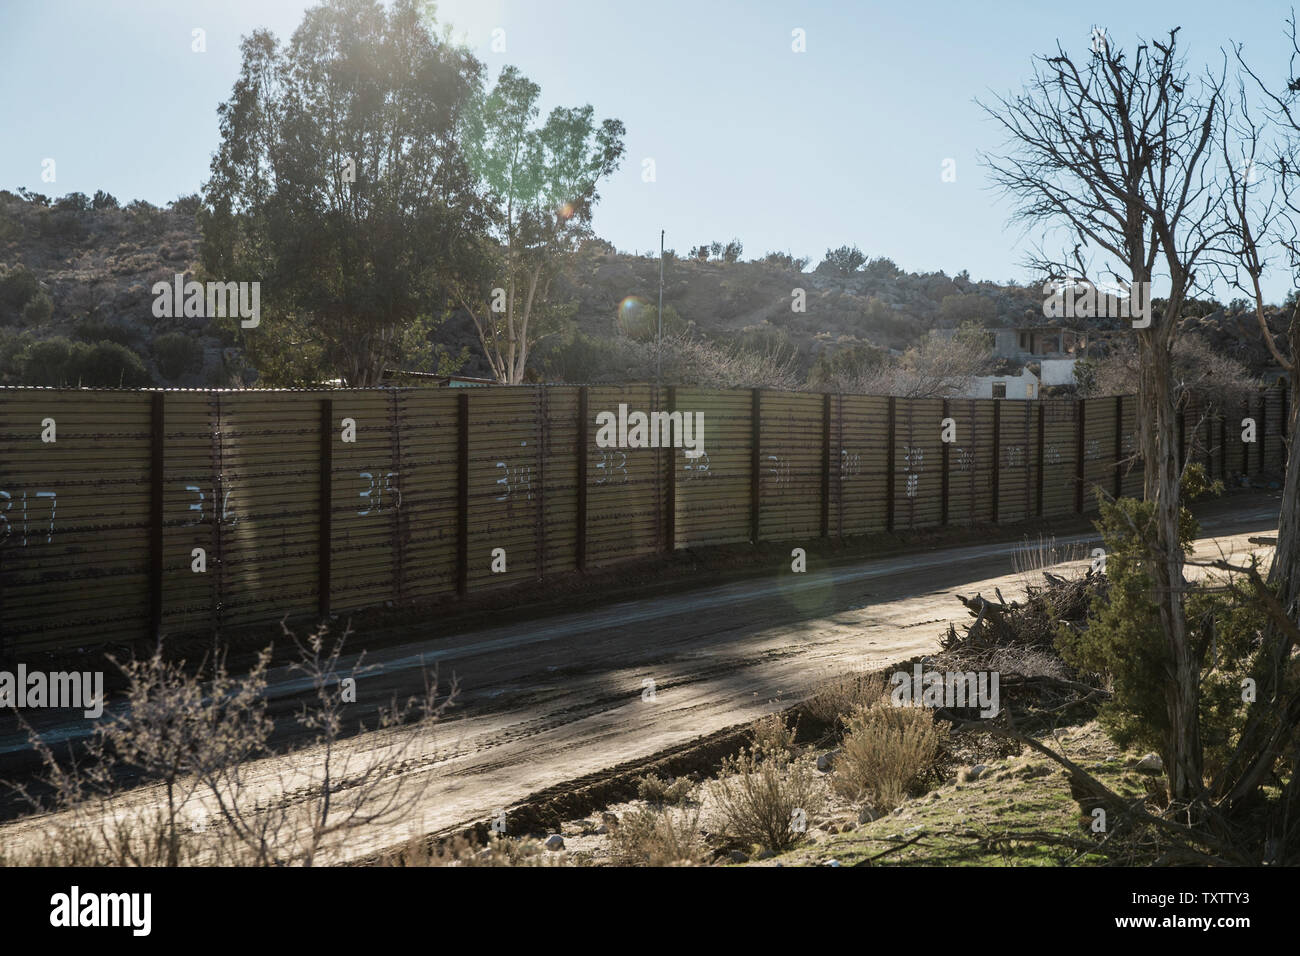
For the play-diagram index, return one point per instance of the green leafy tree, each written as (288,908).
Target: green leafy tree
(17,286)
(60,362)
(340,184)
(177,353)
(843,261)
(542,184)
(38,310)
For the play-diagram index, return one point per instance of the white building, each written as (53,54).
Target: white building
(1057,371)
(1022,386)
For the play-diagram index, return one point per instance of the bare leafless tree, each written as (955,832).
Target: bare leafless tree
(1118,153)
(1262,217)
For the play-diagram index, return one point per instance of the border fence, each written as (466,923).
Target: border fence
(129,514)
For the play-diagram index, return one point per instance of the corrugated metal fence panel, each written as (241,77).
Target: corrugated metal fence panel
(918,463)
(1060,456)
(1018,469)
(365,500)
(790,457)
(1275,428)
(1132,465)
(859,452)
(626,487)
(506,505)
(190,598)
(1098,450)
(242,480)
(970,462)
(1241,454)
(427,439)
(557,465)
(268,500)
(713,503)
(74,517)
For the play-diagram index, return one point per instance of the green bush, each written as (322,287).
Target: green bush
(843,261)
(13,345)
(17,287)
(61,362)
(177,353)
(48,362)
(74,202)
(110,365)
(92,329)
(38,310)
(1125,640)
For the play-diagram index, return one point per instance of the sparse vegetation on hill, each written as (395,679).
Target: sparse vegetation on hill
(855,332)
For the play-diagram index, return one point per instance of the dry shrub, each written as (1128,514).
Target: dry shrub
(660,792)
(837,697)
(659,837)
(192,741)
(758,795)
(773,735)
(885,753)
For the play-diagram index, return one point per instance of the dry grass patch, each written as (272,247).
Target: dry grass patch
(837,697)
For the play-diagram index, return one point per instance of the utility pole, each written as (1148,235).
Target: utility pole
(659,349)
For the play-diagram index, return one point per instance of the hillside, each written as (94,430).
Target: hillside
(76,306)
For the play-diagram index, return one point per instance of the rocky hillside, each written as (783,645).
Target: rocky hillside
(81,276)
(75,303)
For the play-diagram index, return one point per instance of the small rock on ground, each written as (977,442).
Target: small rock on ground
(1151,763)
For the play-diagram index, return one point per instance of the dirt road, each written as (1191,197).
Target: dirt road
(571,695)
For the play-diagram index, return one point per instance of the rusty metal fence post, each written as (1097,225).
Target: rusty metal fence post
(580,531)
(462,493)
(997,458)
(1079,424)
(755,471)
(669,505)
(1042,456)
(826,466)
(1119,446)
(157,443)
(326,515)
(1261,433)
(891,431)
(943,477)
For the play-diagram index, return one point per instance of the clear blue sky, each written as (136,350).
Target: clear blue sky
(840,144)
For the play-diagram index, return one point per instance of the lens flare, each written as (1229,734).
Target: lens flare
(627,312)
